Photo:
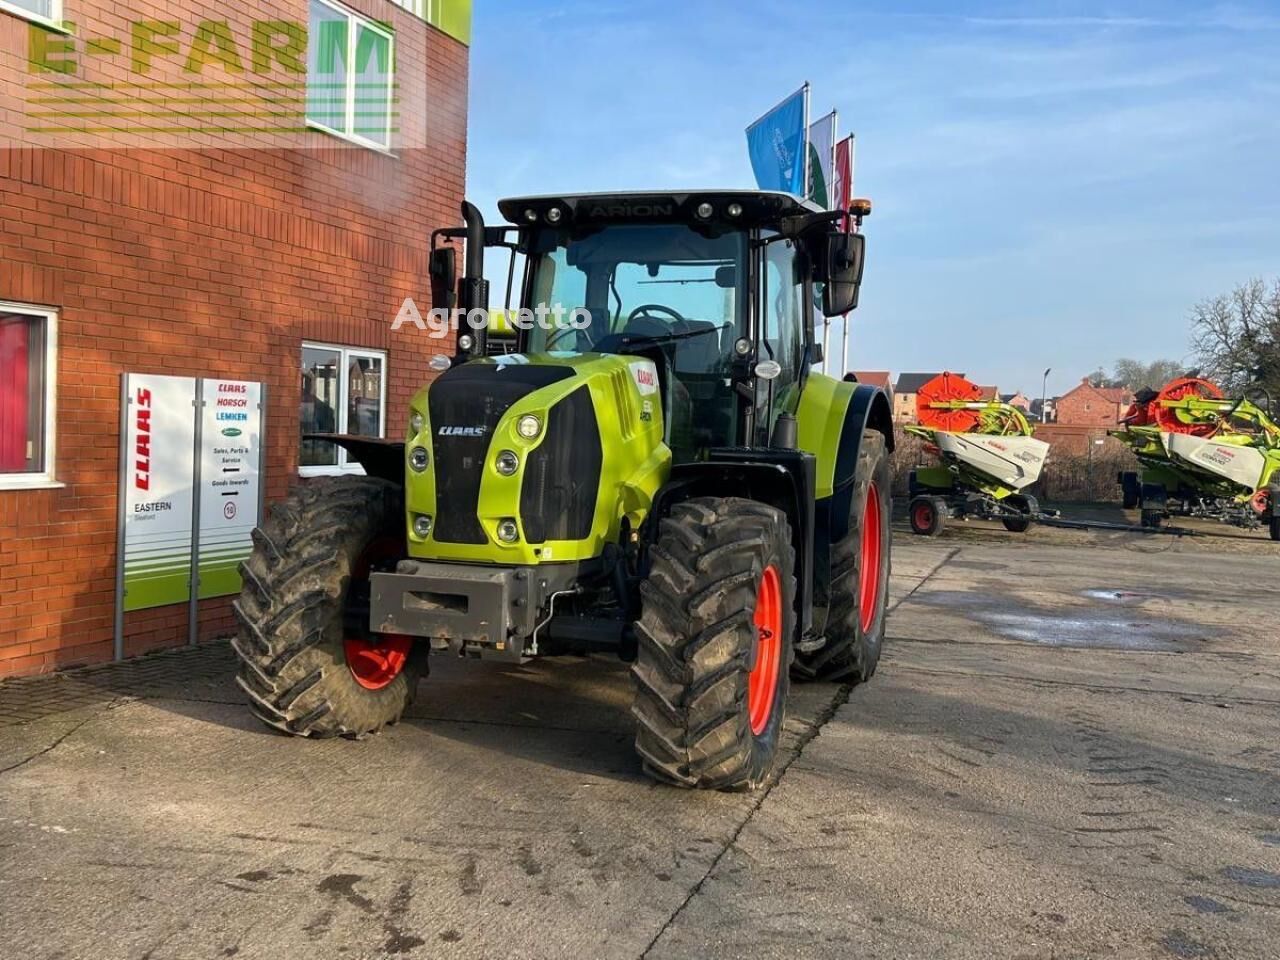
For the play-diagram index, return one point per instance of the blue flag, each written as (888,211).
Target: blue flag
(777,143)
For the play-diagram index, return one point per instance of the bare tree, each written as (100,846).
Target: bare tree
(1236,337)
(1135,374)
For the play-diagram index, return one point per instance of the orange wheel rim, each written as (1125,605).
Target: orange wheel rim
(869,572)
(375,666)
(376,661)
(762,683)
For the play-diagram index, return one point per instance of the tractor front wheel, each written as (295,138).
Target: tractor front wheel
(715,644)
(859,601)
(308,662)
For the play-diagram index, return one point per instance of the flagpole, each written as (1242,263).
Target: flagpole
(844,341)
(835,142)
(805,144)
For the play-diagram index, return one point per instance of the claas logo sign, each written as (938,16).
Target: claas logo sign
(142,446)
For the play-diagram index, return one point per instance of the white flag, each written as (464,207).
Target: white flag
(822,153)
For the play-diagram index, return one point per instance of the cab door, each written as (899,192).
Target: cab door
(782,318)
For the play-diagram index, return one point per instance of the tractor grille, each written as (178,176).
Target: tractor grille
(466,404)
(562,476)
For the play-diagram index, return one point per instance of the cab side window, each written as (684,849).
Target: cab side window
(783,312)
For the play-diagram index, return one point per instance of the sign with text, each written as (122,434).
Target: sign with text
(230,470)
(159,453)
(191,468)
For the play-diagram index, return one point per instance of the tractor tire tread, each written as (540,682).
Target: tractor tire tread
(290,642)
(848,655)
(695,637)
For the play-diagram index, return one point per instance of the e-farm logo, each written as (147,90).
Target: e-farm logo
(142,444)
(165,78)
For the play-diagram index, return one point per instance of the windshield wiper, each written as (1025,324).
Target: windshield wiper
(627,339)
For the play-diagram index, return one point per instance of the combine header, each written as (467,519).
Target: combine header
(988,457)
(1202,455)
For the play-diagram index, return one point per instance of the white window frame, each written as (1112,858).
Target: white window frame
(418,8)
(354,22)
(345,355)
(46,478)
(53,23)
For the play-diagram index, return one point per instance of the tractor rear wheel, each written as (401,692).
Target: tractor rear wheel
(308,662)
(859,576)
(715,644)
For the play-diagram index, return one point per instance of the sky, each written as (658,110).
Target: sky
(1055,184)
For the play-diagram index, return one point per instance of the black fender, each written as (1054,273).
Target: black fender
(781,478)
(869,409)
(380,458)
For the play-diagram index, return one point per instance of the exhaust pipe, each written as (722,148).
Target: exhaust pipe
(474,294)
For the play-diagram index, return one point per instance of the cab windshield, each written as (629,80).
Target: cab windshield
(662,282)
(667,286)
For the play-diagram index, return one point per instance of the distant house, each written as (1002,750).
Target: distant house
(876,378)
(1092,406)
(904,394)
(987,393)
(1019,400)
(1045,411)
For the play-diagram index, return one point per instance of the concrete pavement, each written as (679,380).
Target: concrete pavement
(1069,750)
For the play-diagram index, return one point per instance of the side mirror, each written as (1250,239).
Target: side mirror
(845,256)
(443,267)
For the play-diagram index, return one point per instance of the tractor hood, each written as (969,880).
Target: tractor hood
(528,457)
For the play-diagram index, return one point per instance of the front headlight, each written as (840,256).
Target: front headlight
(508,463)
(416,422)
(419,459)
(529,427)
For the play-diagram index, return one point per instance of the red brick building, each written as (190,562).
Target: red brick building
(264,220)
(1088,405)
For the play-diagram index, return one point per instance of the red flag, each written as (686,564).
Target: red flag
(844,178)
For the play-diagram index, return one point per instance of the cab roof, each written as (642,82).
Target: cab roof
(758,207)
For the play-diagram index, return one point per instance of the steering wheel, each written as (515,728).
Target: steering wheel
(646,311)
(565,331)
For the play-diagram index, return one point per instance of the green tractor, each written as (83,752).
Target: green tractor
(662,477)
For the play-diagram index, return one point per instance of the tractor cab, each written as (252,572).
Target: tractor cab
(718,290)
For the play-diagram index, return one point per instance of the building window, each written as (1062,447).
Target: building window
(28,376)
(41,11)
(350,75)
(344,390)
(414,6)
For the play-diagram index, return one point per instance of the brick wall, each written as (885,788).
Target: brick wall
(1090,406)
(216,261)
